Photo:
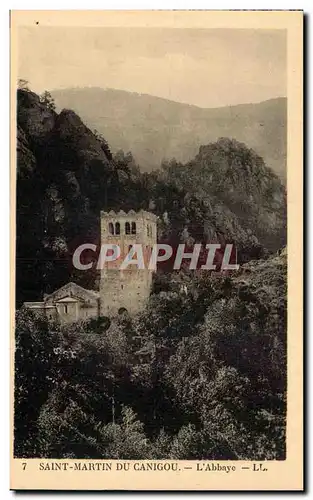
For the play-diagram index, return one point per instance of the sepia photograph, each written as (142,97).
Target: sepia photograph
(150,253)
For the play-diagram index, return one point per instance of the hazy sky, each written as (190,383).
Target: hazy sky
(209,68)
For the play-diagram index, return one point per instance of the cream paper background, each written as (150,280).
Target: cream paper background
(281,475)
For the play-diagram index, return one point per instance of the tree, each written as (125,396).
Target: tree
(201,372)
(125,439)
(34,358)
(47,99)
(23,84)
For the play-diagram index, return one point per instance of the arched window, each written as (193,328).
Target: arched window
(148,230)
(133,227)
(117,228)
(127,228)
(122,310)
(111,228)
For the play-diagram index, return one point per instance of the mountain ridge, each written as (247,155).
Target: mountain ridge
(145,94)
(157,129)
(66,175)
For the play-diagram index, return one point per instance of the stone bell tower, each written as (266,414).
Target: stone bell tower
(129,288)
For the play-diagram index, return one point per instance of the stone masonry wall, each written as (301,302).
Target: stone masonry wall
(129,288)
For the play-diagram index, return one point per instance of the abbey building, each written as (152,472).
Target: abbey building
(120,289)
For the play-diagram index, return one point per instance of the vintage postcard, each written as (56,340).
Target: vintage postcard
(156,223)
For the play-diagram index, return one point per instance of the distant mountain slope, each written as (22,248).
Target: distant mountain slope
(66,174)
(155,129)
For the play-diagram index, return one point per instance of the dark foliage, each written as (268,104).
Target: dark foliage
(67,174)
(201,372)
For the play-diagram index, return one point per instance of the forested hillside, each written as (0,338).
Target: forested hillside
(201,372)
(196,376)
(67,174)
(170,129)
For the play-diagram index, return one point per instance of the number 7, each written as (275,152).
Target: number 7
(24,465)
